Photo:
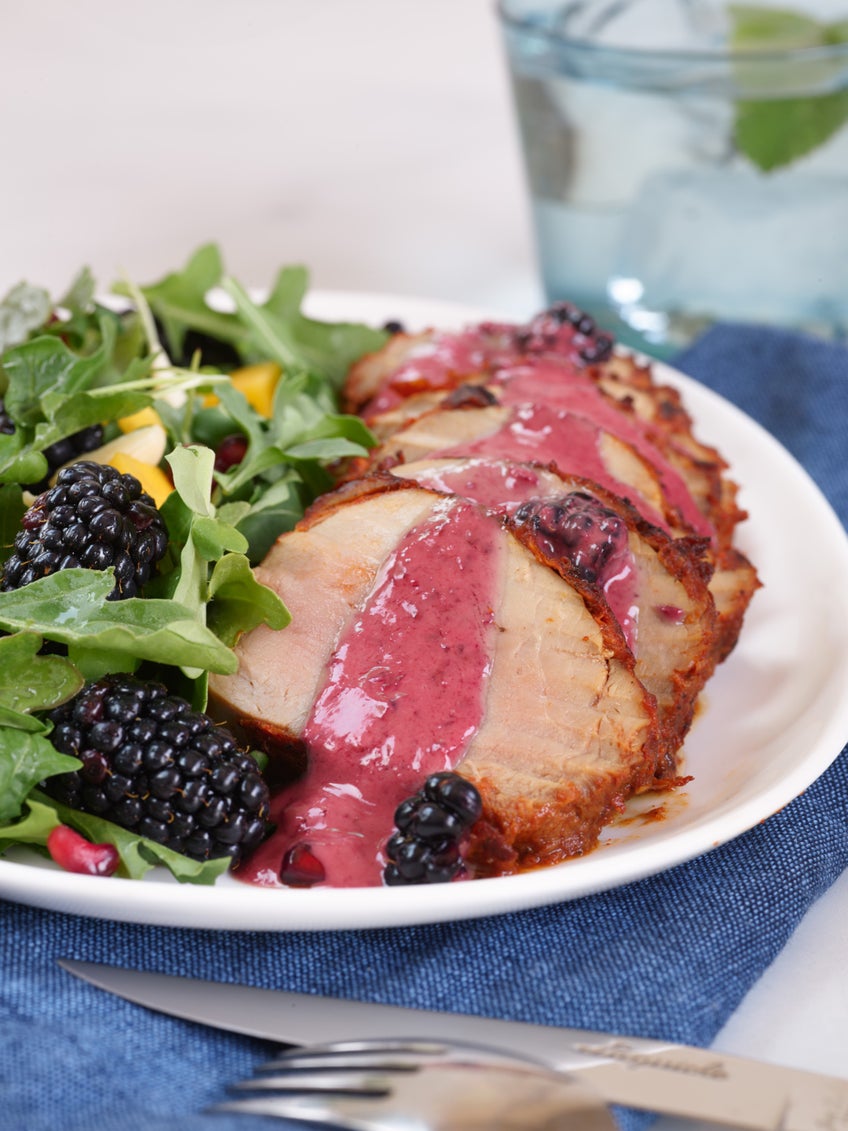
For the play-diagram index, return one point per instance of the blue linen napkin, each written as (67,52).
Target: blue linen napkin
(671,956)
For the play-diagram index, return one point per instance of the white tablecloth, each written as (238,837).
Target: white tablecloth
(373,142)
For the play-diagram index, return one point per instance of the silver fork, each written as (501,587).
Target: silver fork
(410,1085)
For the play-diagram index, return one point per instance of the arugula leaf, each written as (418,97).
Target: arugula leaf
(275,509)
(34,828)
(71,607)
(191,468)
(179,300)
(275,330)
(32,682)
(29,682)
(97,365)
(12,508)
(773,133)
(79,297)
(137,854)
(23,310)
(25,760)
(52,393)
(41,366)
(280,332)
(239,603)
(271,336)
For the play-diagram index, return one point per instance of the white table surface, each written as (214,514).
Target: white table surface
(372,141)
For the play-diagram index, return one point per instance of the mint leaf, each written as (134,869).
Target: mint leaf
(756,28)
(773,133)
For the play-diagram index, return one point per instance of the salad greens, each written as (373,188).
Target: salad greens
(81,361)
(773,133)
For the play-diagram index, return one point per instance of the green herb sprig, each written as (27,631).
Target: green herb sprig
(774,133)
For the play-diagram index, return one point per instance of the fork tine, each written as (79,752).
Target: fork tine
(307,1109)
(350,1061)
(438,1097)
(355,1083)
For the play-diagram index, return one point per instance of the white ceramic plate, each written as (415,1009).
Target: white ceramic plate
(774,716)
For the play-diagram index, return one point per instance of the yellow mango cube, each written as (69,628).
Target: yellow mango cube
(141,419)
(257,383)
(152,479)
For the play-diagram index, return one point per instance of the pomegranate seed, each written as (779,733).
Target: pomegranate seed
(301,868)
(76,854)
(230,452)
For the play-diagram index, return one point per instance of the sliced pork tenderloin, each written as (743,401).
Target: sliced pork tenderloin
(656,587)
(532,433)
(391,386)
(426,636)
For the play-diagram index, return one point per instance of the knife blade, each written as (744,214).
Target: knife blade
(657,1076)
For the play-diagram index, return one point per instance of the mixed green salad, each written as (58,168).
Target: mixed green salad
(161,361)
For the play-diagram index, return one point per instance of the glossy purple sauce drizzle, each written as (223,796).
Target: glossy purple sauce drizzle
(403,697)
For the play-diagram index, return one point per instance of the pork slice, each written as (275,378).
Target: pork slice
(733,585)
(568,733)
(563,717)
(391,390)
(574,443)
(368,373)
(655,587)
(620,468)
(323,571)
(661,410)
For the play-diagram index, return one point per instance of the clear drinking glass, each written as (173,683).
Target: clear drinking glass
(669,182)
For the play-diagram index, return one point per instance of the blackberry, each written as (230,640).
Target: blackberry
(578,528)
(62,451)
(154,766)
(430,824)
(94,517)
(565,328)
(213,351)
(7,425)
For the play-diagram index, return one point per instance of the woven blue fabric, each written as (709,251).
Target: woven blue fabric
(671,956)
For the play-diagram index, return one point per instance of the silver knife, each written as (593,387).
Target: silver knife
(657,1076)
